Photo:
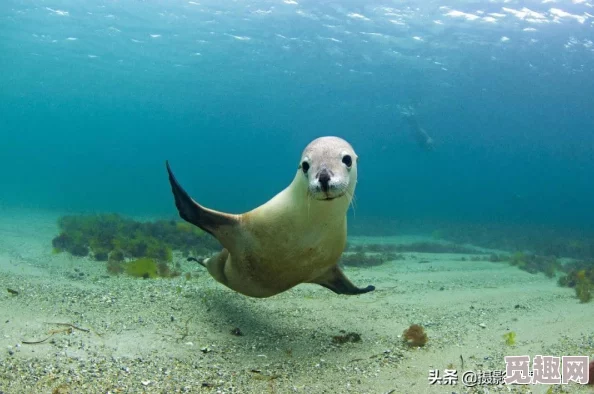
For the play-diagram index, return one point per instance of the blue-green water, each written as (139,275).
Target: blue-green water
(96,95)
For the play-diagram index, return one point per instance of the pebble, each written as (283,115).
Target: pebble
(482,325)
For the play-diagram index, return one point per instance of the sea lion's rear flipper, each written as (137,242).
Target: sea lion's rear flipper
(216,223)
(335,280)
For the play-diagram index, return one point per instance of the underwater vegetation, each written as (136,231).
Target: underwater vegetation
(369,255)
(549,265)
(362,259)
(546,241)
(579,276)
(415,336)
(419,247)
(107,234)
(510,338)
(142,268)
(115,239)
(145,267)
(350,337)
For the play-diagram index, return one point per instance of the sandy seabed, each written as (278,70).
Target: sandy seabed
(126,335)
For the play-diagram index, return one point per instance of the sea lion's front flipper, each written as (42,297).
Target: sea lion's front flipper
(335,280)
(208,220)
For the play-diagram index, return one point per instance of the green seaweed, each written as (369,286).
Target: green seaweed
(583,286)
(510,338)
(580,276)
(142,268)
(533,263)
(101,254)
(583,291)
(165,271)
(113,238)
(116,255)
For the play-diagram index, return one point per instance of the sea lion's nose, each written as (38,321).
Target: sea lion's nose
(324,179)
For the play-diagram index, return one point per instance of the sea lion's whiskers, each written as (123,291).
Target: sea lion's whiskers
(352,202)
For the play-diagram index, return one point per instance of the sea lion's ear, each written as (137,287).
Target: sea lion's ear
(207,219)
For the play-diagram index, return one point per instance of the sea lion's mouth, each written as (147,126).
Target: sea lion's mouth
(329,195)
(326,197)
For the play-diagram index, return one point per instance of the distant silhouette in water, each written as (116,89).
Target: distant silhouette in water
(418,133)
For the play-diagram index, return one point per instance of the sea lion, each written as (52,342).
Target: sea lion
(296,237)
(418,133)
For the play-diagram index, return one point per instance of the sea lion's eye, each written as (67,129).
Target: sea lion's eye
(305,167)
(347,160)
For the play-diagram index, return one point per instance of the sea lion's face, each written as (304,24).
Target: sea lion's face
(329,167)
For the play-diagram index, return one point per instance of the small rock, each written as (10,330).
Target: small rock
(146,382)
(482,325)
(237,332)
